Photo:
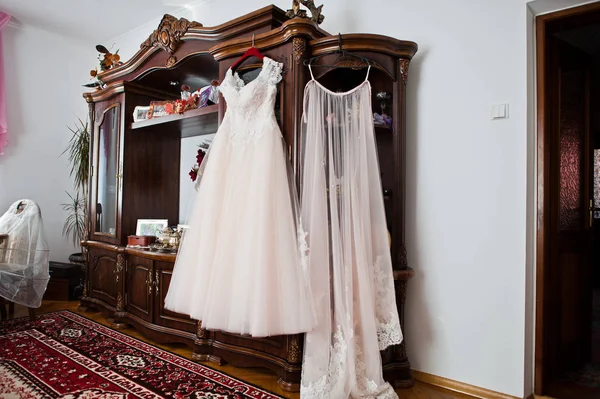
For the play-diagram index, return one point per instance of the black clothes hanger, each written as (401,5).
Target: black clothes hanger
(343,53)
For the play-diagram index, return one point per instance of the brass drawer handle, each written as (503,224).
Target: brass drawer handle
(156,284)
(149,283)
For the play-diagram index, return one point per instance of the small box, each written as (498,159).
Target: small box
(140,241)
(64,279)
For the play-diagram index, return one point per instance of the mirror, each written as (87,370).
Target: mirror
(108,173)
(187,191)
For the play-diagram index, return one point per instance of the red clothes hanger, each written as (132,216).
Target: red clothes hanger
(251,52)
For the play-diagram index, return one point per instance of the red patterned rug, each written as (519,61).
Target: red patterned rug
(63,355)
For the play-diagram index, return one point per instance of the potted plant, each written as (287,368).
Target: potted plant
(78,150)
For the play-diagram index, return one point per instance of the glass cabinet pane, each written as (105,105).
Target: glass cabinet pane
(107,176)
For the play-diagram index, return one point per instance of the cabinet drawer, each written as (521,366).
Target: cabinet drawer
(103,272)
(140,287)
(164,317)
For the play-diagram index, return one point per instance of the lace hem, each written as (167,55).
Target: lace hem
(389,333)
(387,393)
(329,385)
(325,385)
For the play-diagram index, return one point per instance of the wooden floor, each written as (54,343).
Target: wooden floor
(257,377)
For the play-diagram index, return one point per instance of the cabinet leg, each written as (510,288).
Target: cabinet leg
(118,323)
(84,309)
(399,374)
(289,381)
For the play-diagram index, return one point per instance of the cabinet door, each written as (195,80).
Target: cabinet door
(103,276)
(140,287)
(163,272)
(107,169)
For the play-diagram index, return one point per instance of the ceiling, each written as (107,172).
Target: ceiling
(90,21)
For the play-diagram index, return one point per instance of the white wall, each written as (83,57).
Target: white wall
(44,74)
(470,204)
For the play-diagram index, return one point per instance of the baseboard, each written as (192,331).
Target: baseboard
(461,387)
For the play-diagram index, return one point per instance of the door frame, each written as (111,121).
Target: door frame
(542,241)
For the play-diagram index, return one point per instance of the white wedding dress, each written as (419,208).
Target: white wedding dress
(349,263)
(241,266)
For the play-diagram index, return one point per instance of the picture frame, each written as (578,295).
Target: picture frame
(140,113)
(150,227)
(158,109)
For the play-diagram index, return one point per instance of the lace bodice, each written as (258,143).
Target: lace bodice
(250,106)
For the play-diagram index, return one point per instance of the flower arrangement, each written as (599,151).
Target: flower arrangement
(383,96)
(203,148)
(107,60)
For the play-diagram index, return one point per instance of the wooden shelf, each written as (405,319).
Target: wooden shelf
(194,122)
(383,128)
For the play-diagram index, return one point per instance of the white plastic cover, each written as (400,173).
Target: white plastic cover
(24,256)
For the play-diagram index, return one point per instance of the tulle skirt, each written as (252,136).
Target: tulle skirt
(241,266)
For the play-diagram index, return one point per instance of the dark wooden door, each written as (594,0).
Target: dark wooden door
(571,235)
(163,272)
(140,287)
(103,276)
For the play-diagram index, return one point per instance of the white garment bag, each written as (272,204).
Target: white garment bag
(24,257)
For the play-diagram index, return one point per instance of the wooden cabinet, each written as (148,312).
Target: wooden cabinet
(102,276)
(130,285)
(136,167)
(140,288)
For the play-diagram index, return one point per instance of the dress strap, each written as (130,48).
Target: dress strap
(368,70)
(311,74)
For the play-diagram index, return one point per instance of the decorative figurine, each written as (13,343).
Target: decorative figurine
(316,15)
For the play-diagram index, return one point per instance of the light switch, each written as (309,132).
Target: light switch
(499,111)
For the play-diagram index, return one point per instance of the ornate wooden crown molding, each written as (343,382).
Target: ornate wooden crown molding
(364,42)
(266,17)
(292,28)
(168,35)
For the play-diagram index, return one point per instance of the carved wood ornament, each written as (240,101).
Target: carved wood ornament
(299,44)
(404,69)
(168,35)
(201,332)
(403,258)
(119,267)
(294,350)
(120,306)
